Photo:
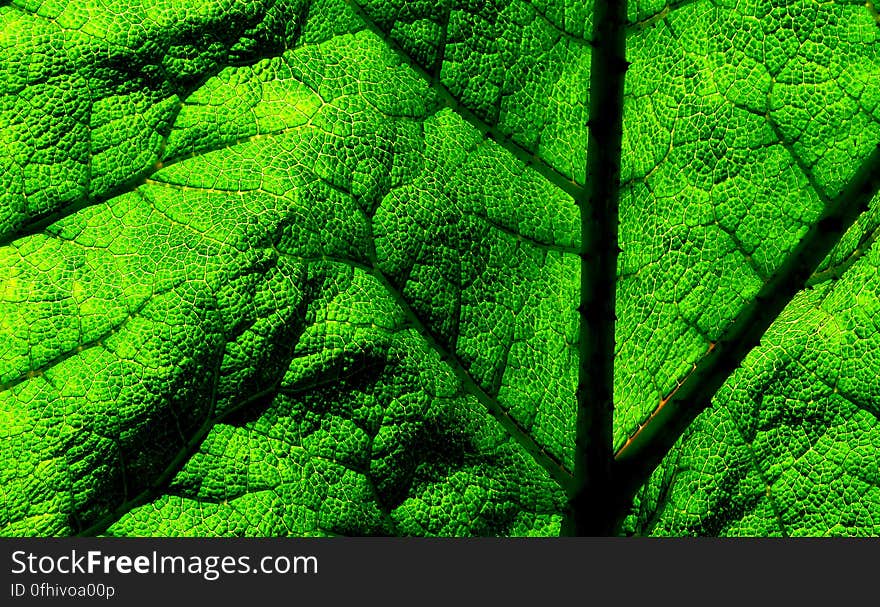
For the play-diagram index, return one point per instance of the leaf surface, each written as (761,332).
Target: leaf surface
(314,268)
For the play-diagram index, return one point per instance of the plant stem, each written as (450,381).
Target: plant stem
(591,510)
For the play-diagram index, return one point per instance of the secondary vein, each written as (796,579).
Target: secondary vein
(636,460)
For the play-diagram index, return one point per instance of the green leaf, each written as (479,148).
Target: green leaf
(789,446)
(350,267)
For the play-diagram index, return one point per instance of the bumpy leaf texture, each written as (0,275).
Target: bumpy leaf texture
(293,267)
